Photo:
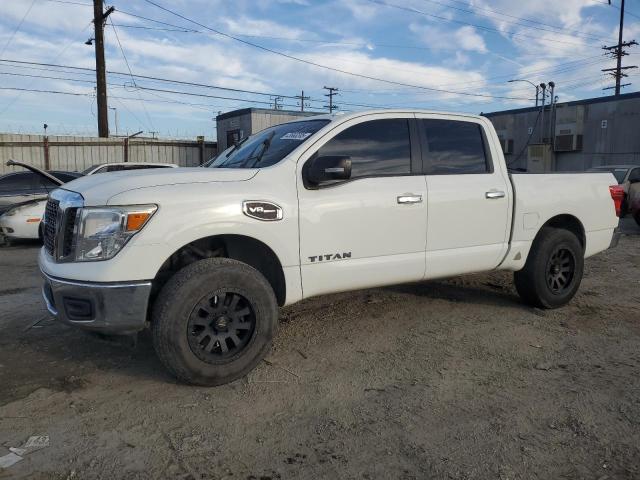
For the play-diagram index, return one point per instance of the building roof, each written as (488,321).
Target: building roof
(245,111)
(586,101)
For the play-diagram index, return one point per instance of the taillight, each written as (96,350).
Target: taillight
(617,194)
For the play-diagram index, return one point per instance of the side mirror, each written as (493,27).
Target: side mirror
(327,168)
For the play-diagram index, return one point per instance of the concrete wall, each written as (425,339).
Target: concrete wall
(79,153)
(617,143)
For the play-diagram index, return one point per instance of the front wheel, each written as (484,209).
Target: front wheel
(553,271)
(214,321)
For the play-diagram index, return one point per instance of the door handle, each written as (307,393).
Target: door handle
(405,199)
(493,194)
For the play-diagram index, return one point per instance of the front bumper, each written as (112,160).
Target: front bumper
(615,238)
(111,308)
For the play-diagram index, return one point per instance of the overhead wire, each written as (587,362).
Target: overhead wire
(480,27)
(326,67)
(15,30)
(126,61)
(556,28)
(66,47)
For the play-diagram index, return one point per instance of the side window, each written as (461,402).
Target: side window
(454,147)
(19,181)
(65,177)
(6,183)
(377,147)
(115,168)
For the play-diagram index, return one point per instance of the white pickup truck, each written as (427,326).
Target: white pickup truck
(204,256)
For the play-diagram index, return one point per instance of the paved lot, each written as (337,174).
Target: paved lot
(449,379)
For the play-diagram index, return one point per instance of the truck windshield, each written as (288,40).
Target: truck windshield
(269,146)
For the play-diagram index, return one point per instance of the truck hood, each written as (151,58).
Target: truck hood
(98,189)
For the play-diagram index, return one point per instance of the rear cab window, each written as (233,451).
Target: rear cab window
(454,147)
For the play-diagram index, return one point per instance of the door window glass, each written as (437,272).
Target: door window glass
(19,181)
(377,147)
(454,147)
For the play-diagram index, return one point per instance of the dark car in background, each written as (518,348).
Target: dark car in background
(20,187)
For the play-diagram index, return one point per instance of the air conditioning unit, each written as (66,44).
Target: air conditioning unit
(540,158)
(569,127)
(507,145)
(567,139)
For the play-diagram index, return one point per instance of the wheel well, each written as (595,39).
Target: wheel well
(238,247)
(570,223)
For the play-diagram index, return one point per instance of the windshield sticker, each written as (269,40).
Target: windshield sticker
(295,136)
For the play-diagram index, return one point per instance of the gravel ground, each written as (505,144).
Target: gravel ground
(447,379)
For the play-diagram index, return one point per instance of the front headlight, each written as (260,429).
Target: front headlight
(103,231)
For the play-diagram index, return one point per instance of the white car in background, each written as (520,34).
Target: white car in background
(23,220)
(120,166)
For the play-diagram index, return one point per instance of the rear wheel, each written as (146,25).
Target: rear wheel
(636,216)
(214,321)
(553,271)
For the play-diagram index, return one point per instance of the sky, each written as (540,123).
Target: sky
(448,55)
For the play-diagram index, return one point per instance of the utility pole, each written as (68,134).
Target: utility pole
(99,19)
(277,105)
(332,92)
(552,87)
(302,99)
(617,52)
(543,88)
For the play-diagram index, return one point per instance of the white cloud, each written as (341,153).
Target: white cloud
(440,38)
(249,26)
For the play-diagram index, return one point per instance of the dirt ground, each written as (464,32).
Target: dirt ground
(450,379)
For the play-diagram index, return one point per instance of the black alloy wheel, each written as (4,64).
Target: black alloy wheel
(220,326)
(560,270)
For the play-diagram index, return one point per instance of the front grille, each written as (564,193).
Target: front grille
(50,221)
(59,224)
(69,224)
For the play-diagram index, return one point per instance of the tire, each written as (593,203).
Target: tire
(636,216)
(214,321)
(553,271)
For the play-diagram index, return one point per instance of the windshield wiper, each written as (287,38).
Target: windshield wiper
(265,146)
(236,146)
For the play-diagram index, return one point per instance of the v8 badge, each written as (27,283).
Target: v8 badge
(265,211)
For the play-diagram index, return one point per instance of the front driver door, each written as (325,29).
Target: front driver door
(369,230)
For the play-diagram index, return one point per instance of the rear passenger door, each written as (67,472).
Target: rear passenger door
(469,199)
(371,229)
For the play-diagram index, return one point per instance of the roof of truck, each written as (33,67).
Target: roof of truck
(360,113)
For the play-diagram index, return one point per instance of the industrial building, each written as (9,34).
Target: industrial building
(571,136)
(238,124)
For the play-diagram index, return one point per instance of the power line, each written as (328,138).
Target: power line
(93,82)
(564,31)
(147,77)
(161,29)
(326,67)
(135,15)
(558,69)
(462,22)
(15,98)
(15,30)
(18,89)
(131,73)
